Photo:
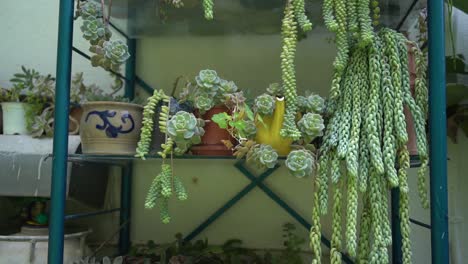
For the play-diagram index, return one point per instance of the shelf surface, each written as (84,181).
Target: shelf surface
(140,18)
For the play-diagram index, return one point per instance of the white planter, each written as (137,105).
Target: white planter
(14,120)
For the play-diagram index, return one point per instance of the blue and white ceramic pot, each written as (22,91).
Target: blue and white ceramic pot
(110,127)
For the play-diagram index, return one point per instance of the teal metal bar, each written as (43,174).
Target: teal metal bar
(144,85)
(60,145)
(438,133)
(273,196)
(229,204)
(126,180)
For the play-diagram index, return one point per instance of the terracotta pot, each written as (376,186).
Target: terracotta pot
(412,147)
(211,141)
(110,127)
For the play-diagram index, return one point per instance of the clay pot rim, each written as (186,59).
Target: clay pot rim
(122,104)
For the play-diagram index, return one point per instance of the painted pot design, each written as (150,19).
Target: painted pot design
(110,127)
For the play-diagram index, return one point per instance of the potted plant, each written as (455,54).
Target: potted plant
(211,95)
(109,123)
(23,103)
(13,111)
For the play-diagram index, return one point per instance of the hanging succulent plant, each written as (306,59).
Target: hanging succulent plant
(108,53)
(311,104)
(366,136)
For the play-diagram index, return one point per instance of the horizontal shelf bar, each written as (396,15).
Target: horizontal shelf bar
(82,215)
(416,222)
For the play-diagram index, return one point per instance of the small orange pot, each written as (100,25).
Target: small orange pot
(212,144)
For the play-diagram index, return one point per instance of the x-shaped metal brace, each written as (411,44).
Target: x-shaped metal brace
(256,181)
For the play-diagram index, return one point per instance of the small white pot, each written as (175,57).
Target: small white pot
(14,120)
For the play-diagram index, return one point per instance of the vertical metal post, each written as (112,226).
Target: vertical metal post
(60,147)
(438,133)
(396,229)
(126,180)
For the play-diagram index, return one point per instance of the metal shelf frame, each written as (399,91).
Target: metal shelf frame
(438,146)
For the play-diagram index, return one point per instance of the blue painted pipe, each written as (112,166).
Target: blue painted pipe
(60,147)
(438,133)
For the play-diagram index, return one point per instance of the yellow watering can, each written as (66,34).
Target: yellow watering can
(268,132)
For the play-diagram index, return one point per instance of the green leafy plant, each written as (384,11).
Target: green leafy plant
(94,260)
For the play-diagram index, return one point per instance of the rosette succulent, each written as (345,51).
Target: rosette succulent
(249,129)
(300,163)
(275,89)
(116,52)
(90,10)
(94,29)
(265,104)
(227,87)
(262,156)
(204,102)
(311,126)
(208,81)
(185,129)
(312,103)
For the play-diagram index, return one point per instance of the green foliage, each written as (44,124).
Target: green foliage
(108,53)
(311,104)
(185,129)
(293,243)
(275,90)
(262,156)
(265,104)
(311,126)
(210,90)
(94,30)
(90,9)
(300,163)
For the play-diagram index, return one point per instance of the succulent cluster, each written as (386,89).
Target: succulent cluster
(294,14)
(108,54)
(185,130)
(210,90)
(262,156)
(161,189)
(366,136)
(300,163)
(313,103)
(265,104)
(311,126)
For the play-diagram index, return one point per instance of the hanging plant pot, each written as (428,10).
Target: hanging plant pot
(110,127)
(269,132)
(212,144)
(14,121)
